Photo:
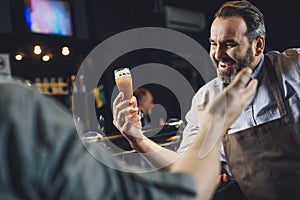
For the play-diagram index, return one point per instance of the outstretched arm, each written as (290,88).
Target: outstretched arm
(129,124)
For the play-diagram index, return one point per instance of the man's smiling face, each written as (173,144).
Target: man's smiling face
(230,49)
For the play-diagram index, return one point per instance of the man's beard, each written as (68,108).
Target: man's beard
(228,76)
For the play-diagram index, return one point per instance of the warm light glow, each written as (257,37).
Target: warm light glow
(46,58)
(18,57)
(37,50)
(65,51)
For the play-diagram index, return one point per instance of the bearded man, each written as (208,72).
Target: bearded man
(261,149)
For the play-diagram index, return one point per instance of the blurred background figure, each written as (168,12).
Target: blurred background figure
(145,103)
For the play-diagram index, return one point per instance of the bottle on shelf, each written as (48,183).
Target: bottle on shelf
(73,91)
(62,86)
(38,84)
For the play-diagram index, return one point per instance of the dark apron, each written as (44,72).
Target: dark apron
(265,159)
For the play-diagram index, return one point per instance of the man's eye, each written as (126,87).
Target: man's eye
(231,44)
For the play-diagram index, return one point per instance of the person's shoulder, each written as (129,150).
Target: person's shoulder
(286,63)
(11,88)
(292,54)
(28,96)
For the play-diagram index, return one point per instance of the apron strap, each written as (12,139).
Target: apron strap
(277,88)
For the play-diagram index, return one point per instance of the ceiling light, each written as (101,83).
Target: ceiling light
(37,49)
(19,57)
(65,51)
(46,58)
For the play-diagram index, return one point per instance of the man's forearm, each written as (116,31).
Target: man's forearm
(155,154)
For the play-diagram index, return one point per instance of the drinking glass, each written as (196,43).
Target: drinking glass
(124,82)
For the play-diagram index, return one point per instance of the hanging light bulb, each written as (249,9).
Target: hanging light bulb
(46,58)
(19,57)
(37,49)
(65,51)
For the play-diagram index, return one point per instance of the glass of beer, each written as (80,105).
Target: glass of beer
(124,82)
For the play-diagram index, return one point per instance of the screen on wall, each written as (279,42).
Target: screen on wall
(48,17)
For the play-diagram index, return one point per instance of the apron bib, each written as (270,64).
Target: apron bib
(265,159)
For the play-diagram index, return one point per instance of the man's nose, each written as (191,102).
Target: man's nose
(219,53)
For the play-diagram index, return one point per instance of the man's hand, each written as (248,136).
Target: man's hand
(129,124)
(126,118)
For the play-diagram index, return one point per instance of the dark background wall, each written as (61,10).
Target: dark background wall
(96,20)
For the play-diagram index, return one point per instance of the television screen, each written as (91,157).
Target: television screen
(48,17)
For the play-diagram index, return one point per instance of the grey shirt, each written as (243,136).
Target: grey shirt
(41,157)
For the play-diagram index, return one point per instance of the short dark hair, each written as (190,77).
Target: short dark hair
(139,93)
(252,16)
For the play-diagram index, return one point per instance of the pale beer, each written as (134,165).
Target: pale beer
(124,82)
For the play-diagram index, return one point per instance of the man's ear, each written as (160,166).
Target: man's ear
(259,46)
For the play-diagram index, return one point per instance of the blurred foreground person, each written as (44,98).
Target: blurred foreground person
(41,156)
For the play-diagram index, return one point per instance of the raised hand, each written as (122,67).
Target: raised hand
(235,98)
(219,114)
(226,108)
(126,119)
